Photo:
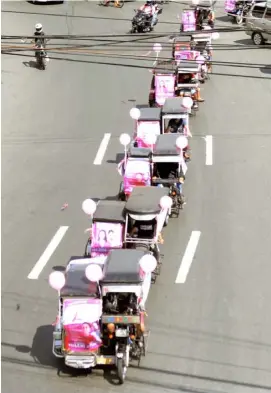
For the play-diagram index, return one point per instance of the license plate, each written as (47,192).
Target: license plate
(121,333)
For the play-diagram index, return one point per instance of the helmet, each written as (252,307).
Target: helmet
(149,2)
(38,27)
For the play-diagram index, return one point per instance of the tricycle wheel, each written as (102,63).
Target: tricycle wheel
(121,370)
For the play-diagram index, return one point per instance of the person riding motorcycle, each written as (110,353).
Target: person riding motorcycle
(150,9)
(39,39)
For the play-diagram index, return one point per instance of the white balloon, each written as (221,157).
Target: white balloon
(165,202)
(57,280)
(215,36)
(89,207)
(125,139)
(139,177)
(94,273)
(148,263)
(157,48)
(181,142)
(135,113)
(187,102)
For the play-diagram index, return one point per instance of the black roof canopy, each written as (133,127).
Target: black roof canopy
(149,114)
(166,145)
(187,65)
(139,152)
(145,200)
(77,283)
(109,211)
(173,106)
(182,39)
(122,267)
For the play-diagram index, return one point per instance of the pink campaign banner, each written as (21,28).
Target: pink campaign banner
(137,174)
(186,55)
(145,132)
(188,20)
(164,88)
(105,236)
(230,5)
(81,324)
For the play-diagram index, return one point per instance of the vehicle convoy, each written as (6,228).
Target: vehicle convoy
(101,319)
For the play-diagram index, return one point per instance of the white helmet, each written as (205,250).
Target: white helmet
(38,27)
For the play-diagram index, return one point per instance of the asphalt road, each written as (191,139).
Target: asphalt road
(208,335)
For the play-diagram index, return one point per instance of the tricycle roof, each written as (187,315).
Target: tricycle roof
(188,66)
(76,283)
(182,39)
(145,200)
(166,145)
(139,152)
(149,114)
(109,211)
(201,37)
(122,267)
(173,106)
(165,67)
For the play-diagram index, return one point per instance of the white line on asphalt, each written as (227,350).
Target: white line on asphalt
(188,257)
(40,265)
(209,150)
(102,149)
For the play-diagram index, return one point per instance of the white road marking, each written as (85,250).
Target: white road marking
(102,149)
(40,265)
(188,257)
(209,150)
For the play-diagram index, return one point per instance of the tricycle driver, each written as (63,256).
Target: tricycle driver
(190,78)
(170,171)
(177,126)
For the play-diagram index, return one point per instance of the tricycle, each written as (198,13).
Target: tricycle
(101,310)
(169,167)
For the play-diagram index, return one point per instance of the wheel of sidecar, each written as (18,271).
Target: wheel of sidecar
(239,19)
(166,221)
(121,371)
(257,38)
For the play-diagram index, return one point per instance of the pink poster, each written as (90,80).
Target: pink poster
(230,5)
(147,131)
(164,88)
(81,324)
(186,55)
(188,20)
(105,236)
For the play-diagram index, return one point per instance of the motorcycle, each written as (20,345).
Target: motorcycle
(141,23)
(41,57)
(241,12)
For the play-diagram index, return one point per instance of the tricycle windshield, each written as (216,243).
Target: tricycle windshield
(164,87)
(146,132)
(81,324)
(188,20)
(186,55)
(106,236)
(137,173)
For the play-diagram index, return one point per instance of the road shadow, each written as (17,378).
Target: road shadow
(59,268)
(224,18)
(117,160)
(47,2)
(30,64)
(266,70)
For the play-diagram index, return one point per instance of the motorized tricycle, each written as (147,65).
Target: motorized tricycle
(107,229)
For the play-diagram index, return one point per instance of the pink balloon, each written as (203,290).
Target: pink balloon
(57,280)
(148,263)
(94,272)
(165,202)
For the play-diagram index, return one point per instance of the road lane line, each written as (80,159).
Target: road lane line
(50,249)
(102,149)
(188,257)
(209,150)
